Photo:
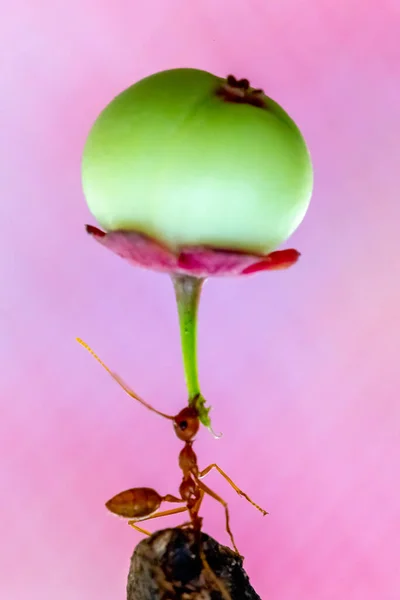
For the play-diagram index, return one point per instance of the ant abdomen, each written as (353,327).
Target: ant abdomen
(135,503)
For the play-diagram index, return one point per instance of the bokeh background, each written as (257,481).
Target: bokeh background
(302,367)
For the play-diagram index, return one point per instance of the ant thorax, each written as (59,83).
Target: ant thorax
(188,460)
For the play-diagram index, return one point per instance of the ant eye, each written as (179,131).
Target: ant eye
(183,425)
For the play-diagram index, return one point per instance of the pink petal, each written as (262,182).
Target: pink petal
(136,248)
(280,259)
(197,261)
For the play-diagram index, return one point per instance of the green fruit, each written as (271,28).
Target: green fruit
(174,159)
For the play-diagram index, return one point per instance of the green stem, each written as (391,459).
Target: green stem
(187,293)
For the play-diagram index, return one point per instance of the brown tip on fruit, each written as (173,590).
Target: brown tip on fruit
(239,91)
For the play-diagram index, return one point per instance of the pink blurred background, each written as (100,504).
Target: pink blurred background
(302,366)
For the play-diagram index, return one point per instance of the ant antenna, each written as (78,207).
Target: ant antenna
(118,379)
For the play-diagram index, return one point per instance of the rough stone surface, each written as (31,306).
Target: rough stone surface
(169,566)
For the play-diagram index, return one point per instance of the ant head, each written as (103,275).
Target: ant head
(186,424)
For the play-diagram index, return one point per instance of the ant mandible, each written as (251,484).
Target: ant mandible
(142,504)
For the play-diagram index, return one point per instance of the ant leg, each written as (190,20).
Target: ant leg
(139,529)
(195,521)
(164,513)
(232,484)
(207,490)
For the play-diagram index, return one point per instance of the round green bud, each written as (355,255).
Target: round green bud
(192,159)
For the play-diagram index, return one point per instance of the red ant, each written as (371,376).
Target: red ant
(142,504)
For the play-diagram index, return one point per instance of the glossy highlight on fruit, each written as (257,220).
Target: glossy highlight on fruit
(191,159)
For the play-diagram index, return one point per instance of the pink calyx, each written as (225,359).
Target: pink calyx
(196,261)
